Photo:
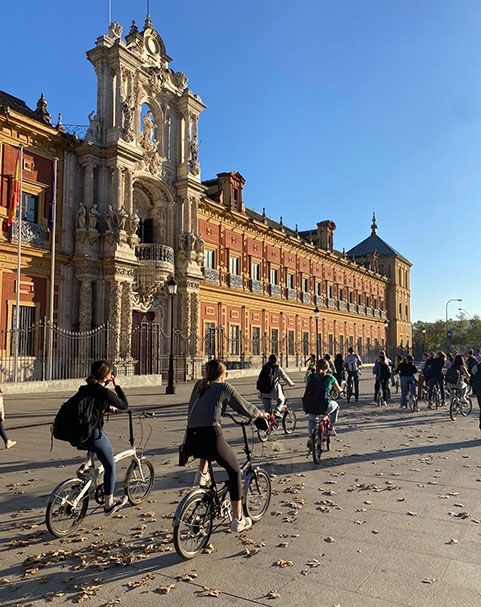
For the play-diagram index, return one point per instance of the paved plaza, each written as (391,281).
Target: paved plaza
(391,517)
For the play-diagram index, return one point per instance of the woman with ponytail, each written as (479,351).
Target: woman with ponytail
(205,440)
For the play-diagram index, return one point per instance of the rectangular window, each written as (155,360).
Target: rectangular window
(209,339)
(234,265)
(290,343)
(255,270)
(318,288)
(341,344)
(30,207)
(256,341)
(351,297)
(330,291)
(234,339)
(209,259)
(274,274)
(330,338)
(290,280)
(341,294)
(275,341)
(26,338)
(359,346)
(305,343)
(305,284)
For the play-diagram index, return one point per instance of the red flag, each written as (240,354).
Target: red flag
(15,192)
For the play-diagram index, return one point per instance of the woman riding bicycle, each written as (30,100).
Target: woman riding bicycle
(327,384)
(270,386)
(407,370)
(457,375)
(101,375)
(205,439)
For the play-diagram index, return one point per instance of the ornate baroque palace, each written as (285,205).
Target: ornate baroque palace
(132,211)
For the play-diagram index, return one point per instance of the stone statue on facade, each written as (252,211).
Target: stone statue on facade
(93,132)
(134,222)
(81,217)
(149,126)
(93,217)
(181,80)
(122,219)
(111,220)
(128,115)
(115,31)
(194,155)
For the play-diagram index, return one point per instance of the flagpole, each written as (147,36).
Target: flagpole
(19,265)
(53,230)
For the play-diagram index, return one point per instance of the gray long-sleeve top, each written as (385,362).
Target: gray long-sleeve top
(208,409)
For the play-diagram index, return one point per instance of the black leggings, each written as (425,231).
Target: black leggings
(209,443)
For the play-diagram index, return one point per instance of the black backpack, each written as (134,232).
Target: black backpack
(384,371)
(265,381)
(77,419)
(476,379)
(314,400)
(452,375)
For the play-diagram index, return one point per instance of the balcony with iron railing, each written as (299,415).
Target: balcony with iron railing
(34,234)
(331,303)
(341,305)
(154,252)
(318,300)
(369,311)
(352,307)
(291,294)
(211,275)
(306,297)
(256,286)
(274,290)
(361,309)
(235,281)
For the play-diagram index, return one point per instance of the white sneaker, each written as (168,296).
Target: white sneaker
(240,524)
(203,480)
(10,443)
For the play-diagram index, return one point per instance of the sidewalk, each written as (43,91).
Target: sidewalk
(391,517)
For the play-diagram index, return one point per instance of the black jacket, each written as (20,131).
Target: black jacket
(103,399)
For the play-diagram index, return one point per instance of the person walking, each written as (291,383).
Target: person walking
(204,438)
(270,386)
(3,435)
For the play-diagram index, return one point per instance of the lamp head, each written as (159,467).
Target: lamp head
(316,312)
(171,285)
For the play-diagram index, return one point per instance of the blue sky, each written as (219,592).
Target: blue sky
(330,109)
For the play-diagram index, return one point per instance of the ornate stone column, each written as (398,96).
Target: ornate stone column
(126,320)
(89,186)
(115,314)
(85,304)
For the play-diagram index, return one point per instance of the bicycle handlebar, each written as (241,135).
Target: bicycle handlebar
(237,421)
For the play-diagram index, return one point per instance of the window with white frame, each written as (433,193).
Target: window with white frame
(234,265)
(209,259)
(330,291)
(319,288)
(234,339)
(274,276)
(255,270)
(256,341)
(305,284)
(341,294)
(290,280)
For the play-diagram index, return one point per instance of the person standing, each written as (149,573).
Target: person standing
(340,373)
(353,364)
(407,371)
(382,372)
(270,386)
(3,435)
(434,368)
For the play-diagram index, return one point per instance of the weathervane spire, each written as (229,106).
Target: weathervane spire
(373,224)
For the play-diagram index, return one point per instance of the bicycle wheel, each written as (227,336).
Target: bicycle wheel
(193,523)
(257,494)
(349,393)
(453,408)
(412,402)
(62,517)
(289,421)
(466,407)
(139,481)
(264,434)
(316,446)
(325,440)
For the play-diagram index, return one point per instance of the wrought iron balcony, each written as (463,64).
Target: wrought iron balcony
(275,290)
(331,303)
(257,286)
(235,281)
(318,300)
(154,252)
(341,305)
(306,297)
(369,312)
(361,309)
(377,313)
(352,307)
(211,275)
(291,294)
(33,234)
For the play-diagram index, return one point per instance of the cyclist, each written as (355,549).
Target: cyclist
(476,386)
(103,399)
(204,438)
(456,375)
(327,384)
(434,368)
(340,374)
(353,364)
(407,370)
(311,365)
(270,387)
(332,368)
(422,378)
(382,371)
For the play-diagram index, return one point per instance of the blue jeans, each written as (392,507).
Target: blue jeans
(355,380)
(405,383)
(100,445)
(3,434)
(269,402)
(432,382)
(332,411)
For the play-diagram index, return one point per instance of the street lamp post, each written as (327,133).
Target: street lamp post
(424,340)
(171,285)
(316,316)
(448,336)
(386,325)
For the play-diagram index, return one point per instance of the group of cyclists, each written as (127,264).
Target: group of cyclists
(211,395)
